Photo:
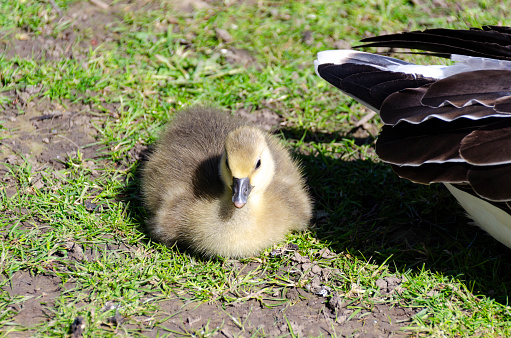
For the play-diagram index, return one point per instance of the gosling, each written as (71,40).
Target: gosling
(220,187)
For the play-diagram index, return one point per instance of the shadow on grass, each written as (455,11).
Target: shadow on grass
(376,216)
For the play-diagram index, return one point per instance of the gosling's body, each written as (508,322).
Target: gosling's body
(187,186)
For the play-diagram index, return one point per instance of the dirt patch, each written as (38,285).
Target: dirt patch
(46,132)
(33,296)
(310,311)
(38,135)
(240,57)
(84,26)
(309,315)
(78,253)
(265,118)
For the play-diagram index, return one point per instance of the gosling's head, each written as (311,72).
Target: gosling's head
(247,165)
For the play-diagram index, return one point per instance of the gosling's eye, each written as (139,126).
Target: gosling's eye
(227,163)
(258,164)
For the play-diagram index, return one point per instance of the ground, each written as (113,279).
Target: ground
(52,133)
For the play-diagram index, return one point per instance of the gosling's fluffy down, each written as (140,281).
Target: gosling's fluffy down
(221,187)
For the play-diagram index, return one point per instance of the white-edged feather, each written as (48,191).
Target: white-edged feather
(488,217)
(463,63)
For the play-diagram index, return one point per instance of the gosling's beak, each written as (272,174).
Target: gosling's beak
(240,190)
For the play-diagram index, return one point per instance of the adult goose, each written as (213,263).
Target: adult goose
(218,186)
(448,124)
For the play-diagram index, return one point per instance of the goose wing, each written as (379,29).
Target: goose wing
(448,124)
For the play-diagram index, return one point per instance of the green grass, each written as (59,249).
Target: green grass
(161,61)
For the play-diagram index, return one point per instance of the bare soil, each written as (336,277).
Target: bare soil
(310,312)
(38,291)
(49,133)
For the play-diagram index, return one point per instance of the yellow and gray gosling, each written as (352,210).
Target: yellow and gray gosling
(221,187)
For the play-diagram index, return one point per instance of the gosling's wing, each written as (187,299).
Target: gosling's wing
(447,124)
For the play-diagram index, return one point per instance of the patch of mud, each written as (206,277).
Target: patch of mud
(76,252)
(46,132)
(310,311)
(265,118)
(83,26)
(303,312)
(88,24)
(308,315)
(240,57)
(33,296)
